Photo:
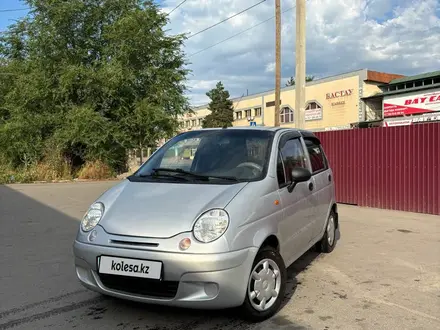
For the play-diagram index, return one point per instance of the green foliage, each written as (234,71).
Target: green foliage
(90,78)
(140,133)
(291,81)
(222,110)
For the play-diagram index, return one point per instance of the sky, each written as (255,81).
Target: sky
(394,36)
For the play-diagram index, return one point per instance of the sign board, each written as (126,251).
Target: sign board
(412,120)
(337,128)
(338,94)
(313,114)
(338,97)
(402,122)
(252,123)
(411,103)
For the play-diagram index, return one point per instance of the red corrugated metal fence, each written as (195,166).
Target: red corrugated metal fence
(395,168)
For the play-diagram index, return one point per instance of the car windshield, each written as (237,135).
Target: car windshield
(226,155)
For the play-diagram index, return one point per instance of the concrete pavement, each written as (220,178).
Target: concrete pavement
(383,274)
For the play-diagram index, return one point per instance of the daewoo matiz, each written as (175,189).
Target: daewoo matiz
(211,220)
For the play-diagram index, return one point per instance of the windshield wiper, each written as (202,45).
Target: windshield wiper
(199,176)
(180,171)
(230,178)
(162,175)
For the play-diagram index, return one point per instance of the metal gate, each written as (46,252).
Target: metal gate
(396,168)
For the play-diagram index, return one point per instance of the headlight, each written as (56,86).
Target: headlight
(211,225)
(92,217)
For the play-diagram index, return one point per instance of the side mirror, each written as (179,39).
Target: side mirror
(299,174)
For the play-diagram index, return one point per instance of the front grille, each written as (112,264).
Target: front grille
(134,243)
(140,286)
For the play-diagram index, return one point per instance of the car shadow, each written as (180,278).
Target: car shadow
(39,288)
(299,266)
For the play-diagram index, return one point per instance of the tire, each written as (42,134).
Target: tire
(328,241)
(269,257)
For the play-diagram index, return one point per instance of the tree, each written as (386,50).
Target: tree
(222,110)
(88,76)
(291,81)
(146,126)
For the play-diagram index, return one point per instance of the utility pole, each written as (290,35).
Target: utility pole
(300,71)
(277,61)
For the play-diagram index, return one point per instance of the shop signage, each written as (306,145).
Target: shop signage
(346,92)
(337,128)
(426,118)
(313,114)
(411,103)
(413,120)
(402,122)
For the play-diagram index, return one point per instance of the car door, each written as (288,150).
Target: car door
(322,183)
(298,213)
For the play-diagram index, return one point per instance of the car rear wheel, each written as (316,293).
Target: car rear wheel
(266,286)
(328,241)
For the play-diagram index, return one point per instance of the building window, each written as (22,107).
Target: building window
(193,122)
(257,112)
(187,123)
(312,106)
(248,113)
(238,115)
(286,115)
(200,121)
(313,111)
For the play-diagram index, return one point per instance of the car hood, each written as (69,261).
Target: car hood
(160,210)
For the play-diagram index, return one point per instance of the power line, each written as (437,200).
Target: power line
(16,9)
(239,33)
(177,6)
(226,19)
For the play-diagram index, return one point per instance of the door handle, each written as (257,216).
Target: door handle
(311,186)
(329,178)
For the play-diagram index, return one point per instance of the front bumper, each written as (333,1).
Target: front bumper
(202,281)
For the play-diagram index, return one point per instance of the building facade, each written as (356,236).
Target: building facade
(407,101)
(332,103)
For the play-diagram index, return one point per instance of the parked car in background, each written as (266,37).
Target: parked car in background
(215,230)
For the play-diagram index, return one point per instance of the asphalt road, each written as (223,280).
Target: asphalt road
(383,274)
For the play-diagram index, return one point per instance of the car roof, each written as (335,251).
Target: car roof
(303,132)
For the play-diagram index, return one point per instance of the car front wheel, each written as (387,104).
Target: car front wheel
(266,286)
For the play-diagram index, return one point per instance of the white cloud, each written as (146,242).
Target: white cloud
(270,67)
(201,84)
(397,36)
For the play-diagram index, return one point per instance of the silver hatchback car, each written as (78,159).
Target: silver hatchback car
(211,220)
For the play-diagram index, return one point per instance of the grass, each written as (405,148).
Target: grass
(96,170)
(54,169)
